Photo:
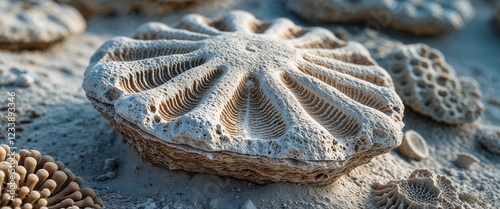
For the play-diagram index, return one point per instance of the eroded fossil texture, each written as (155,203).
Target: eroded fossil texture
(421,17)
(35,24)
(423,189)
(259,100)
(41,183)
(427,84)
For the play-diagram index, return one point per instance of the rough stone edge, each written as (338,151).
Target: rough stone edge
(258,169)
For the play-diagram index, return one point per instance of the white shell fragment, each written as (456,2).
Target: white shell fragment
(414,146)
(423,189)
(286,103)
(424,17)
(35,24)
(466,161)
(428,85)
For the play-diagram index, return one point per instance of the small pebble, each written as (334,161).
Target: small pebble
(110,164)
(24,80)
(466,161)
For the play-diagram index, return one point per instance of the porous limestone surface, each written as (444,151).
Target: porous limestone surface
(427,84)
(237,85)
(420,17)
(33,24)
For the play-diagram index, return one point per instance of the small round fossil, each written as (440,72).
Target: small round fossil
(264,94)
(413,146)
(40,182)
(423,189)
(466,160)
(36,24)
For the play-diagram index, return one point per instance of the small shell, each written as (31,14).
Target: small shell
(414,146)
(466,161)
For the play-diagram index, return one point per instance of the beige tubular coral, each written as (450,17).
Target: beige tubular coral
(423,189)
(36,24)
(41,183)
(265,101)
(420,17)
(428,85)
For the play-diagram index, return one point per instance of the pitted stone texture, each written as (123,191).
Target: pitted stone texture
(423,189)
(271,92)
(428,85)
(420,17)
(36,24)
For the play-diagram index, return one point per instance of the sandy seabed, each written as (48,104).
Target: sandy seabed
(72,131)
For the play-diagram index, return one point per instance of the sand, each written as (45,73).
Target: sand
(72,131)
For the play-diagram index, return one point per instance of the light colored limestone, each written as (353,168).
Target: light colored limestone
(420,17)
(41,183)
(423,189)
(35,24)
(286,103)
(428,85)
(414,146)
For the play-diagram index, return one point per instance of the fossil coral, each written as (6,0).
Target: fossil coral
(30,24)
(422,189)
(427,84)
(426,17)
(40,182)
(264,101)
(414,146)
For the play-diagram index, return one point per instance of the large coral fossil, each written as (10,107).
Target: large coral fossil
(258,100)
(31,180)
(423,189)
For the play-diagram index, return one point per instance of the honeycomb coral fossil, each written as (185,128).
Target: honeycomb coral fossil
(41,183)
(429,86)
(286,103)
(35,24)
(423,189)
(420,17)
